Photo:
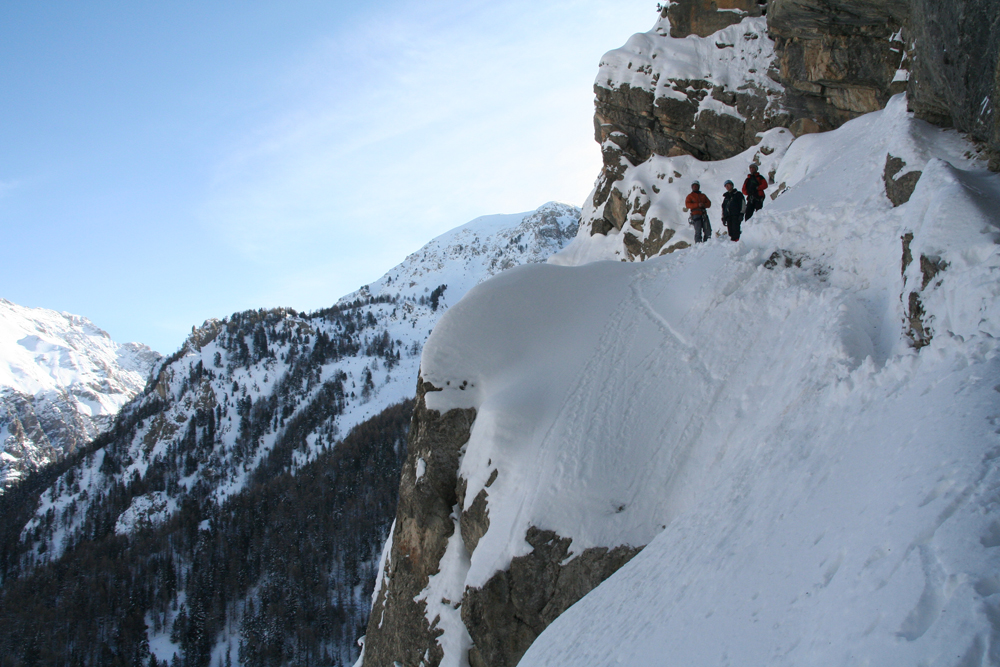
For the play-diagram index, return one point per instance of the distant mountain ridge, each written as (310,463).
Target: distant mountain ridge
(62,380)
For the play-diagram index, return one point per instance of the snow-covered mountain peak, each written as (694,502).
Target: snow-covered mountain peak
(44,350)
(62,379)
(254,374)
(467,255)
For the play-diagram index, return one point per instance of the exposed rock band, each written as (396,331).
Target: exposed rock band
(736,206)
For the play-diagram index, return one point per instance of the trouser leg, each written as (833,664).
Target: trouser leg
(733,225)
(701,228)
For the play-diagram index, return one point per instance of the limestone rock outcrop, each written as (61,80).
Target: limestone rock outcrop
(703,17)
(399,631)
(838,59)
(503,617)
(507,614)
(842,58)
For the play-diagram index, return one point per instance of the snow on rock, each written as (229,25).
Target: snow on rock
(736,57)
(62,379)
(146,510)
(812,488)
(657,188)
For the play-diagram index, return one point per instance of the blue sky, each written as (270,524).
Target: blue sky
(164,163)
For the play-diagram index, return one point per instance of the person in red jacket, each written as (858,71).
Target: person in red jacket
(753,188)
(698,203)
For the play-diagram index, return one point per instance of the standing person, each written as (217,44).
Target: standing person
(753,188)
(697,203)
(732,210)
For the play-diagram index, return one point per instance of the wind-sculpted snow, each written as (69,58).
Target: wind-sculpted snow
(812,488)
(62,379)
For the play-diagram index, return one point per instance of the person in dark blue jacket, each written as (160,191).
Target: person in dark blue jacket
(733,204)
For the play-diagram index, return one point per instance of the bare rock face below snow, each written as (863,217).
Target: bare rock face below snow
(841,58)
(506,615)
(503,617)
(837,58)
(398,631)
(672,126)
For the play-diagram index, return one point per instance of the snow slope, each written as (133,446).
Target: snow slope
(61,381)
(811,488)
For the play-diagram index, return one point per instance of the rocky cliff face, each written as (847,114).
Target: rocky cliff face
(955,79)
(400,631)
(838,59)
(703,17)
(505,616)
(841,58)
(712,76)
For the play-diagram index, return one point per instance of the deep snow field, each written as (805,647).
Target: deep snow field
(812,489)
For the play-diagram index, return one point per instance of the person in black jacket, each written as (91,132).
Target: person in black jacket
(732,210)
